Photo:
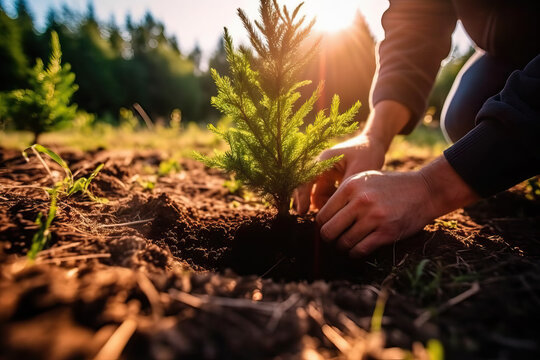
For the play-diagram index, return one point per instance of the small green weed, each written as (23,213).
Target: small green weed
(424,283)
(377,317)
(43,235)
(433,350)
(169,166)
(66,187)
(233,185)
(449,224)
(147,184)
(533,189)
(152,174)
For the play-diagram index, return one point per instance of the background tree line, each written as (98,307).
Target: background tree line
(117,66)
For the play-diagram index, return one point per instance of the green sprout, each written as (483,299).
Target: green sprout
(533,189)
(68,185)
(378,312)
(147,184)
(169,166)
(434,348)
(43,235)
(233,185)
(449,224)
(424,283)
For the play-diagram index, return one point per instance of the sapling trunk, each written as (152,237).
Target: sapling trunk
(268,151)
(36,138)
(283,205)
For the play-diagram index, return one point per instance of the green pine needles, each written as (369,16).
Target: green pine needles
(46,105)
(268,151)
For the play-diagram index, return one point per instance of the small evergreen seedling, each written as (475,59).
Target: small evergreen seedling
(268,151)
(45,106)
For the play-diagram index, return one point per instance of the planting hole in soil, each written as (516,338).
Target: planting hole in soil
(248,242)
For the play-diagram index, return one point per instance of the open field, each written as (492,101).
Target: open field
(180,264)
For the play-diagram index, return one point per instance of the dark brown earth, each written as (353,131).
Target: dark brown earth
(189,270)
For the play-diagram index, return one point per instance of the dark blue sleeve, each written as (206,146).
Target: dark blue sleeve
(504,147)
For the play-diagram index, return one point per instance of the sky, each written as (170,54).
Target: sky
(201,21)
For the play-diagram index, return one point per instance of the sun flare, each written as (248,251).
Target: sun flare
(333,16)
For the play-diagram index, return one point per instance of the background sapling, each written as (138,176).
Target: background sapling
(45,105)
(268,151)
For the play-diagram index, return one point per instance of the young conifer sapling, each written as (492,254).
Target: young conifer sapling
(45,106)
(268,151)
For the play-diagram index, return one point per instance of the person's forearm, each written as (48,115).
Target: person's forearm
(447,190)
(405,74)
(386,120)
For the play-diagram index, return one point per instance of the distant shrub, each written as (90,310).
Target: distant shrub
(45,106)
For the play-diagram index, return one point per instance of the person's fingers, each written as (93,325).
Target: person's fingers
(338,224)
(327,154)
(355,234)
(349,171)
(317,192)
(325,187)
(369,244)
(336,202)
(302,196)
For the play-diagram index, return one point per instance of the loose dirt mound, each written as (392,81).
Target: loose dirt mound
(189,270)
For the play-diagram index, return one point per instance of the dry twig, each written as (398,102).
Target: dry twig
(72,258)
(127,223)
(115,345)
(151,293)
(426,315)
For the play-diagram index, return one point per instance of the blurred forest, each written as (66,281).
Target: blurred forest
(117,66)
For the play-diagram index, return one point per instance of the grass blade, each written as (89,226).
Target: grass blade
(54,156)
(43,235)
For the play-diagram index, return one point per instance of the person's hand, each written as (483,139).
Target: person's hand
(359,154)
(372,208)
(364,152)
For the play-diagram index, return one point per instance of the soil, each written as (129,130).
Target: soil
(189,270)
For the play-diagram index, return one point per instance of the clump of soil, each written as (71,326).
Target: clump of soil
(189,270)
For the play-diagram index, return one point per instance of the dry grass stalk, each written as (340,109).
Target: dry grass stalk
(117,342)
